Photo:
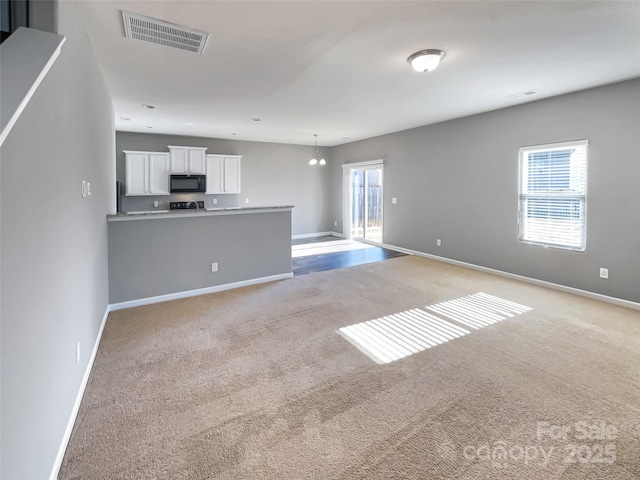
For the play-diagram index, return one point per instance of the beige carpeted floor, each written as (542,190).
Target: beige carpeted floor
(256,383)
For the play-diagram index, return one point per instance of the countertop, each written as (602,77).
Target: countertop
(211,211)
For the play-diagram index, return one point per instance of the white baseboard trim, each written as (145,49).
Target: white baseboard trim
(76,406)
(555,286)
(310,235)
(199,291)
(317,234)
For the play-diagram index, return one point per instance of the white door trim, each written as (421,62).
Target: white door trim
(346,191)
(363,164)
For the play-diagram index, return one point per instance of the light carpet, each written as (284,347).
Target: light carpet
(258,383)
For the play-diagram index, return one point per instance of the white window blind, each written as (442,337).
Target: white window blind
(553,195)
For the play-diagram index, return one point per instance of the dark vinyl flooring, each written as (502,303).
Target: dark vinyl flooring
(330,261)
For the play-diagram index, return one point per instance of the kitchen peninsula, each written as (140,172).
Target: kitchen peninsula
(162,255)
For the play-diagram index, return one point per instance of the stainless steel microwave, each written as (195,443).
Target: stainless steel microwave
(188,184)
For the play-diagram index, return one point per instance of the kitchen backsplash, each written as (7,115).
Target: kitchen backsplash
(134,204)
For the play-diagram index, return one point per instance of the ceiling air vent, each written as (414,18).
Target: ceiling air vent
(155,31)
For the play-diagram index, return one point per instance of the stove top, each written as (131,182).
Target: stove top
(192,205)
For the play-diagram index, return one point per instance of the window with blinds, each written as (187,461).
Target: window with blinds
(553,195)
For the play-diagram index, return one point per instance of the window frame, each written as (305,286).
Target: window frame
(582,197)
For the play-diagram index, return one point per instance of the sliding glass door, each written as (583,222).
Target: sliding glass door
(365,197)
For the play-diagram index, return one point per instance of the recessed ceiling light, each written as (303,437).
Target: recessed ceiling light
(148,106)
(125,119)
(189,123)
(523,94)
(234,133)
(147,126)
(255,119)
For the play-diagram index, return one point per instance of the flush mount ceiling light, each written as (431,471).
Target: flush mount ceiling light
(426,60)
(314,160)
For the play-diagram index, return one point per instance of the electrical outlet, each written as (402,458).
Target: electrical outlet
(78,353)
(214,267)
(88,189)
(438,242)
(246,200)
(394,200)
(215,201)
(335,224)
(84,188)
(156,203)
(604,273)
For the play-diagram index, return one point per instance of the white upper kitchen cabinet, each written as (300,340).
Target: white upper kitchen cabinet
(188,160)
(232,174)
(159,173)
(136,173)
(146,173)
(223,174)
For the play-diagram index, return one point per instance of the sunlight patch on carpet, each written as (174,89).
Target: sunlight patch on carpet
(478,310)
(319,248)
(393,337)
(400,335)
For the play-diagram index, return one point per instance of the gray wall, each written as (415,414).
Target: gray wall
(272,174)
(159,256)
(54,251)
(458,181)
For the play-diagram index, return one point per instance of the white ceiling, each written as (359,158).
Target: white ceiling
(339,69)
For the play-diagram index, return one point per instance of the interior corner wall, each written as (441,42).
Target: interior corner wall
(54,266)
(43,16)
(458,181)
(272,174)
